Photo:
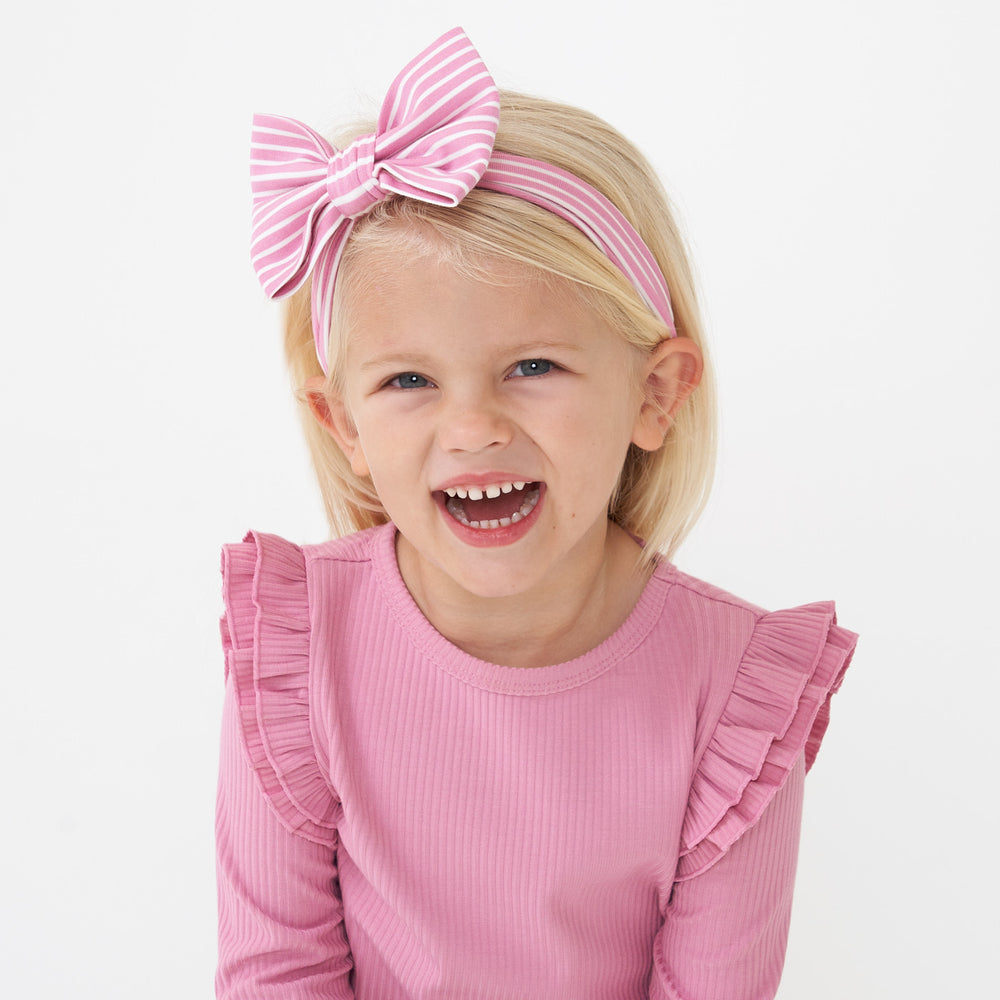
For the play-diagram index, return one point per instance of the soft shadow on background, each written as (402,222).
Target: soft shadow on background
(836,171)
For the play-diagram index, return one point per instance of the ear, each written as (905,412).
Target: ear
(332,415)
(670,375)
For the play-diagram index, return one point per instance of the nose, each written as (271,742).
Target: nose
(474,423)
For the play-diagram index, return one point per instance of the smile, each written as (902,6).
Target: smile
(497,505)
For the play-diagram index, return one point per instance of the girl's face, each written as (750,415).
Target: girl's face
(494,421)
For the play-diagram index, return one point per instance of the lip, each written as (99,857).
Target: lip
(484,538)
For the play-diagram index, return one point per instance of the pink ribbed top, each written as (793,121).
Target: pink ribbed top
(400,820)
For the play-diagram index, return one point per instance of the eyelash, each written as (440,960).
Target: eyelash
(400,381)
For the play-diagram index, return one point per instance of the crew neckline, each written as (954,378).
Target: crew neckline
(496,677)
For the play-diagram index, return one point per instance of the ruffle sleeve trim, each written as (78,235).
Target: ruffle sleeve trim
(779,708)
(265,635)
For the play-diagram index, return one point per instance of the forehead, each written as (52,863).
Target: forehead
(397,297)
(385,259)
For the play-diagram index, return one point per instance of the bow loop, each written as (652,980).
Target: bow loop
(288,168)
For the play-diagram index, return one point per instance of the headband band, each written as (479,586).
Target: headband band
(433,142)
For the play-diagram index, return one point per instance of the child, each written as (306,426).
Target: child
(494,745)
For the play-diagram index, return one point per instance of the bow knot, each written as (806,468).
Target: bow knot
(351,179)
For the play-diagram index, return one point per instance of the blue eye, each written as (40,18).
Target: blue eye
(533,366)
(408,380)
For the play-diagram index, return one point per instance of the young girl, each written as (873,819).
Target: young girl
(493,744)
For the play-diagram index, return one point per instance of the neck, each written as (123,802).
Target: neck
(552,623)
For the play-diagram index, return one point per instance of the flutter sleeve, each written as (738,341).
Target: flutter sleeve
(725,926)
(281,928)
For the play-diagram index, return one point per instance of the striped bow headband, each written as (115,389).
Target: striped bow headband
(433,142)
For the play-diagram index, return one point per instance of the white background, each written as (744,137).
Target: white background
(836,167)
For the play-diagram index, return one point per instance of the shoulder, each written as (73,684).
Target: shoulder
(699,596)
(280,573)
(274,551)
(706,629)
(362,547)
(723,627)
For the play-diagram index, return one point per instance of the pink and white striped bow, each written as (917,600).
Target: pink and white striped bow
(433,142)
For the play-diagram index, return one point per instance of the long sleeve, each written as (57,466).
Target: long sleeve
(724,931)
(281,928)
(281,931)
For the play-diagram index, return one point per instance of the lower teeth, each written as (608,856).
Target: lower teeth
(457,511)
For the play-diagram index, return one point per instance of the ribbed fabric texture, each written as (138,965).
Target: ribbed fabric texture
(400,820)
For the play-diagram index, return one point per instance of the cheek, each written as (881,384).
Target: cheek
(383,448)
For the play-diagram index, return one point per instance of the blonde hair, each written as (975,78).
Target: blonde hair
(660,494)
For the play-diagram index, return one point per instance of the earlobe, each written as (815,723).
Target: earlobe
(332,415)
(671,373)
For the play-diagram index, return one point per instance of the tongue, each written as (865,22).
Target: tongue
(493,509)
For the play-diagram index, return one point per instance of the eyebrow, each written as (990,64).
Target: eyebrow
(395,361)
(528,349)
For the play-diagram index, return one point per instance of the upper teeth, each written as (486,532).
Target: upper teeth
(478,492)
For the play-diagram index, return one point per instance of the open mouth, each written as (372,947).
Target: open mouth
(497,505)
